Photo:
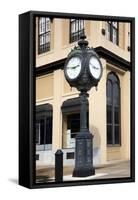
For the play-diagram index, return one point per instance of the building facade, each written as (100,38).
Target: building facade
(58,105)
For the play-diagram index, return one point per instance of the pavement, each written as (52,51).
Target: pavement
(114,169)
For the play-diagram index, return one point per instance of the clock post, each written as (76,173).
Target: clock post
(83,149)
(83,70)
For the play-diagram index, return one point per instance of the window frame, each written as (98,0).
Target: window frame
(43,48)
(78,32)
(113,106)
(111,28)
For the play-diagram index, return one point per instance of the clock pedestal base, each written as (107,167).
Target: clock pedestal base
(83,155)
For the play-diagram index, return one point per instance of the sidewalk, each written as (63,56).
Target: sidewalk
(114,169)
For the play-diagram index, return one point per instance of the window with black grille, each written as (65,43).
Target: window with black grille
(76,29)
(113,110)
(44,33)
(112,32)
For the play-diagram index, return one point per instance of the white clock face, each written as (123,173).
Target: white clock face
(95,67)
(73,67)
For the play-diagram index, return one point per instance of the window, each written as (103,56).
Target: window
(71,121)
(76,29)
(72,129)
(43,124)
(39,131)
(73,124)
(44,133)
(44,32)
(112,32)
(113,110)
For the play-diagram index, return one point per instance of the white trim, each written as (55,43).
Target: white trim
(114,68)
(45,100)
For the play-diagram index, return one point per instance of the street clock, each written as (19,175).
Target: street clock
(83,68)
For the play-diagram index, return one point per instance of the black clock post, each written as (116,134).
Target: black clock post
(84,151)
(83,82)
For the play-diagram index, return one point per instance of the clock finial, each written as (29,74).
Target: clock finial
(82,42)
(83,36)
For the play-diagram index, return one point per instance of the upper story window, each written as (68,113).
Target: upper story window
(76,29)
(44,32)
(112,32)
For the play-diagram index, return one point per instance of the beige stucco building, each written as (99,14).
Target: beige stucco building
(57,104)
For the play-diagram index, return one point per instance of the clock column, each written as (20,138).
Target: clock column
(83,148)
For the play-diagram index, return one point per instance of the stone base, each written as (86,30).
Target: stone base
(82,172)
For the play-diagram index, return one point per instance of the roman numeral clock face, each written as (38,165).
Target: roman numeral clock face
(73,67)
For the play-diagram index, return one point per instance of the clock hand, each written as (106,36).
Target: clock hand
(94,67)
(74,67)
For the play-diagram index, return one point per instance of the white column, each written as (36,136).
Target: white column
(125,116)
(57,114)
